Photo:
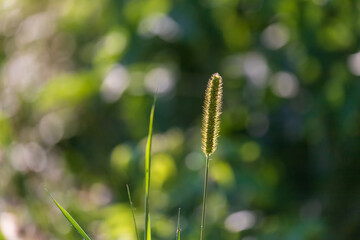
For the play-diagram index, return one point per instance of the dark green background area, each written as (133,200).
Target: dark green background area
(287,163)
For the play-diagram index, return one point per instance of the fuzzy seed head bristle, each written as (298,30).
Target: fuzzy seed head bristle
(211,116)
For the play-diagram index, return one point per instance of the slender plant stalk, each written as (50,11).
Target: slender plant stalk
(147,233)
(178,230)
(210,132)
(132,211)
(202,231)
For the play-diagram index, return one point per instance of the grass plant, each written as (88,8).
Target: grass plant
(147,233)
(71,220)
(210,133)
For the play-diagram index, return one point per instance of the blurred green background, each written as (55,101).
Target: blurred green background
(77,80)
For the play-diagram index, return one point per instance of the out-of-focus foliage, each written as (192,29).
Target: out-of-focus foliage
(77,80)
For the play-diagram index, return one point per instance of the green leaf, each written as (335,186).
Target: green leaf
(147,234)
(71,220)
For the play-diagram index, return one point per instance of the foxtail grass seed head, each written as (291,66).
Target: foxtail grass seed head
(211,117)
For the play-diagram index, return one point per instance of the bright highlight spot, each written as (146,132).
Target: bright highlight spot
(160,80)
(28,157)
(51,129)
(120,157)
(285,85)
(114,84)
(275,36)
(222,173)
(256,69)
(163,168)
(160,25)
(240,221)
(354,63)
(9,226)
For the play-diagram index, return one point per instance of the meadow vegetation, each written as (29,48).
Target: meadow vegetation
(77,81)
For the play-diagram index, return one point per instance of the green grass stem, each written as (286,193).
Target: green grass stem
(132,211)
(147,232)
(178,230)
(202,227)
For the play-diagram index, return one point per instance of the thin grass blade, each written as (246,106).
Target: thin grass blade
(147,234)
(71,220)
(178,230)
(132,211)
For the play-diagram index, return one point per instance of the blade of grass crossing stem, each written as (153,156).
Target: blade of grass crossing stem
(132,211)
(71,220)
(147,234)
(178,230)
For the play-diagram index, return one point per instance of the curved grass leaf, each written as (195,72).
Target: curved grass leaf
(71,220)
(147,233)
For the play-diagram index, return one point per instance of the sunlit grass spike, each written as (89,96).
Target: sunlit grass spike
(210,132)
(211,117)
(71,220)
